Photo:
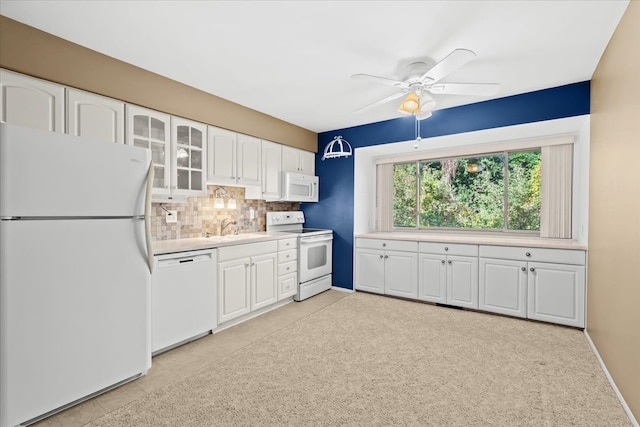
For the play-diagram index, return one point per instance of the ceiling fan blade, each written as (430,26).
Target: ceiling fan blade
(381,101)
(380,80)
(452,62)
(476,89)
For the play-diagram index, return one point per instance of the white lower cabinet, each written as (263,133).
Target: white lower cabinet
(462,281)
(432,278)
(503,287)
(370,271)
(234,290)
(287,268)
(451,280)
(387,267)
(536,283)
(247,278)
(287,285)
(448,274)
(556,293)
(264,290)
(401,274)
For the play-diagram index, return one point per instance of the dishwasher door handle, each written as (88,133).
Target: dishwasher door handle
(172,262)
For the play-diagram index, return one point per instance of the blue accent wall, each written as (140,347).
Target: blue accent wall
(335,207)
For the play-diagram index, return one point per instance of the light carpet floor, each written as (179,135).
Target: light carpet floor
(373,360)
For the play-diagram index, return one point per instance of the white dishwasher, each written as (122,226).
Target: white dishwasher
(183,298)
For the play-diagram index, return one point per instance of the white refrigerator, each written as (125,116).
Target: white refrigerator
(75,261)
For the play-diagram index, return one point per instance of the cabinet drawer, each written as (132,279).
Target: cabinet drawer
(285,244)
(387,245)
(560,256)
(287,285)
(240,251)
(287,267)
(448,249)
(286,256)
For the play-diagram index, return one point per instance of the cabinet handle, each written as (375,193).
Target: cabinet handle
(381,256)
(288,268)
(166,186)
(384,245)
(288,256)
(386,256)
(532,269)
(449,262)
(523,268)
(528,254)
(442,261)
(246,265)
(446,248)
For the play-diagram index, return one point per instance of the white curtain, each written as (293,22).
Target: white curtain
(557,197)
(384,197)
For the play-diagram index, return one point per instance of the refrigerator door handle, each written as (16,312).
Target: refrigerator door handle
(147,216)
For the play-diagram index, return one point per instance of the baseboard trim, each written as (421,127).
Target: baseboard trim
(338,288)
(626,408)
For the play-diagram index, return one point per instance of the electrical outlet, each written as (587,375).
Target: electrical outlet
(252,213)
(171,217)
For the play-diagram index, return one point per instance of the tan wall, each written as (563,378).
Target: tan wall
(30,51)
(613,311)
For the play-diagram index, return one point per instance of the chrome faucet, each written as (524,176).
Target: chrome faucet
(225,223)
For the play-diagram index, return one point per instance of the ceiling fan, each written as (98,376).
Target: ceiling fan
(421,82)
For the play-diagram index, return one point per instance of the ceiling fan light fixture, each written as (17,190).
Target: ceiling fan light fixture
(410,105)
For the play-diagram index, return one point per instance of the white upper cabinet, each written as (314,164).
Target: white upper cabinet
(307,162)
(298,161)
(221,160)
(152,129)
(188,153)
(31,102)
(271,170)
(248,160)
(271,181)
(233,159)
(94,116)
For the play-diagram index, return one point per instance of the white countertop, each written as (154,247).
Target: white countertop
(161,247)
(478,239)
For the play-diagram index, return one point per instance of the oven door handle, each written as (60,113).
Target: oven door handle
(307,240)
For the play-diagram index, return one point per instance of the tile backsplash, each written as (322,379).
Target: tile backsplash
(198,216)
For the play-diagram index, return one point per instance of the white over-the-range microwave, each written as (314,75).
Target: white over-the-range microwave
(297,187)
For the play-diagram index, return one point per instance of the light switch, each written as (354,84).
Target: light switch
(171,217)
(252,213)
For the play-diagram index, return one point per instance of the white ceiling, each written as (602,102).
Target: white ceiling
(293,59)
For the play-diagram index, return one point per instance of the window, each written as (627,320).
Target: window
(495,191)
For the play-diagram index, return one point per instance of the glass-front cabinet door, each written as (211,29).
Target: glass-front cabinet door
(188,150)
(151,129)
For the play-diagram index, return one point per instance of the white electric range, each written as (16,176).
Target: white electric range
(314,252)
